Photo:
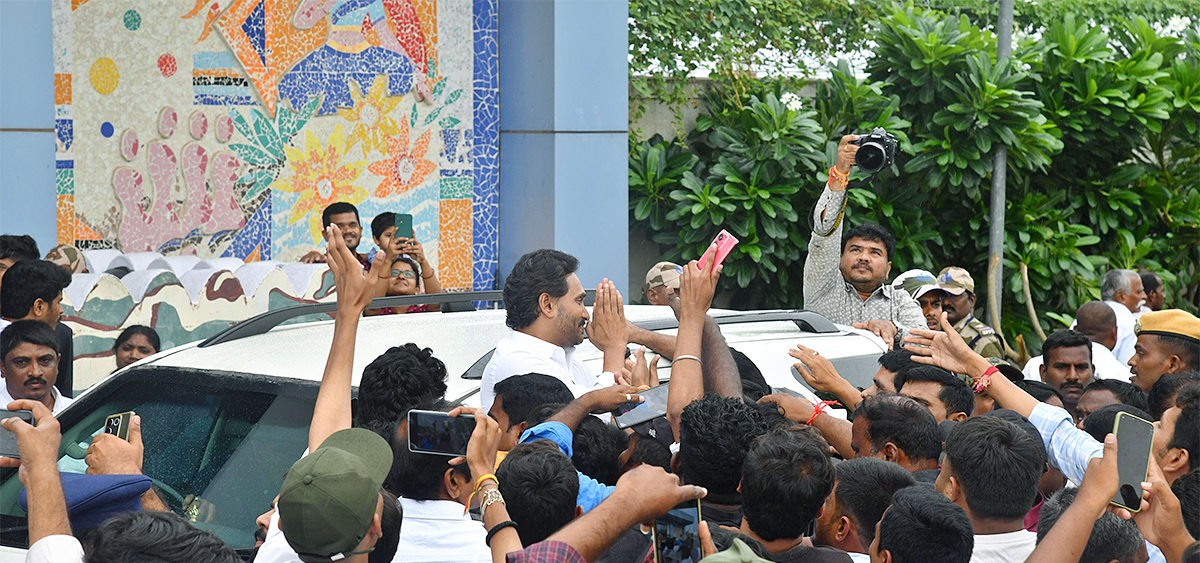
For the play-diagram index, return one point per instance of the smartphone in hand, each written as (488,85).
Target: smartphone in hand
(404,226)
(653,405)
(433,432)
(725,243)
(8,440)
(1135,440)
(677,535)
(118,424)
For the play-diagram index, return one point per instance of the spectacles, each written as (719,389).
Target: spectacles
(404,273)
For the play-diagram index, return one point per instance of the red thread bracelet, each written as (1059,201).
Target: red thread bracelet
(986,378)
(819,409)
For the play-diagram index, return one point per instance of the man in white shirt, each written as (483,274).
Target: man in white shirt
(991,468)
(29,366)
(1122,291)
(1099,323)
(544,302)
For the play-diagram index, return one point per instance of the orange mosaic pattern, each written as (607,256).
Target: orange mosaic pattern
(454,244)
(284,44)
(65,213)
(62,89)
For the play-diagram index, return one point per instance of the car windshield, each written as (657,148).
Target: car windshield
(216,444)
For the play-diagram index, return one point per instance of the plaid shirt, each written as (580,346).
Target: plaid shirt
(546,552)
(1068,449)
(828,293)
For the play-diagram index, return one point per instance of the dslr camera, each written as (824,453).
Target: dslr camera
(876,151)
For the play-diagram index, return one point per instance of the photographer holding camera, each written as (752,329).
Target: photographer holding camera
(851,290)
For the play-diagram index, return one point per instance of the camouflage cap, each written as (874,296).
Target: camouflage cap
(662,273)
(956,280)
(916,283)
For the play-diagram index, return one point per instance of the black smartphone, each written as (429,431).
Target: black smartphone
(677,535)
(434,432)
(8,440)
(1135,440)
(404,228)
(118,425)
(653,405)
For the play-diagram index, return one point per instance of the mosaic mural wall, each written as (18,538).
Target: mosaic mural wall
(222,128)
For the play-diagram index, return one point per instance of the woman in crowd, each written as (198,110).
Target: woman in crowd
(409,271)
(135,343)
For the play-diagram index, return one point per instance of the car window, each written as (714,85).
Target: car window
(217,445)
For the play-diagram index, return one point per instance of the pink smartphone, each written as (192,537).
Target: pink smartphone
(725,243)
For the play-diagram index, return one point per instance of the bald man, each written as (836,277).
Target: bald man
(1098,321)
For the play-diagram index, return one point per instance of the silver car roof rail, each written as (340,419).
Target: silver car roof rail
(807,321)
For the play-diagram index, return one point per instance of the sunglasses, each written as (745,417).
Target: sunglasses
(404,273)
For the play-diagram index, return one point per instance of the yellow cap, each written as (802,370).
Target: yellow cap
(1170,322)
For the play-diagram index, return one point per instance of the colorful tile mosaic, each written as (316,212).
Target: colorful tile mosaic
(223,127)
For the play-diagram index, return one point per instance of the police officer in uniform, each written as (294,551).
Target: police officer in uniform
(959,305)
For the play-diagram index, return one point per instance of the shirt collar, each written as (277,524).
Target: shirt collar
(542,347)
(885,290)
(8,398)
(433,509)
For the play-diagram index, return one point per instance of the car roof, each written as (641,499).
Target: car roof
(461,339)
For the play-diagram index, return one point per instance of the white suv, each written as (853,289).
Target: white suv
(223,419)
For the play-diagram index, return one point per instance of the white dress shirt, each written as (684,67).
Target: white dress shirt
(1012,547)
(521,353)
(1105,365)
(1125,336)
(60,402)
(438,530)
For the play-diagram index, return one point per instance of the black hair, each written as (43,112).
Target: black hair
(864,490)
(542,413)
(18,248)
(649,451)
(399,380)
(524,392)
(955,393)
(143,330)
(714,435)
(596,447)
(1187,489)
(1023,423)
(1100,423)
(540,488)
(1162,393)
(27,332)
(389,521)
(1066,338)
(1150,282)
(897,361)
(1188,349)
(1126,392)
(151,537)
(872,232)
(923,525)
(381,223)
(1040,390)
(1187,426)
(901,421)
(538,272)
(416,268)
(418,476)
(1192,553)
(997,464)
(1112,538)
(754,385)
(785,479)
(338,208)
(28,281)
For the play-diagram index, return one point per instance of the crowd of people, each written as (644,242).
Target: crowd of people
(953,454)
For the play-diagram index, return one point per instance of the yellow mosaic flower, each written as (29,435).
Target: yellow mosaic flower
(372,124)
(321,178)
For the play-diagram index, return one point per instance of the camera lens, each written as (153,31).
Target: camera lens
(870,158)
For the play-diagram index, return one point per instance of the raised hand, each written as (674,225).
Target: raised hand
(794,408)
(945,349)
(483,444)
(697,286)
(110,455)
(413,248)
(885,330)
(650,492)
(355,288)
(608,329)
(816,370)
(37,443)
(640,374)
(1161,518)
(609,398)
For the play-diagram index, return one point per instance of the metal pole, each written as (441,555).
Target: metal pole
(1004,27)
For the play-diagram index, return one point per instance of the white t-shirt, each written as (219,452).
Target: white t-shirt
(439,531)
(1012,547)
(1106,365)
(521,353)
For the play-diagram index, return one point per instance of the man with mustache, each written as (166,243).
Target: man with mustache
(1068,365)
(858,296)
(959,305)
(29,366)
(543,301)
(345,216)
(1122,291)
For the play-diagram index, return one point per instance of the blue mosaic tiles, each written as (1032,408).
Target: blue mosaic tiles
(486,145)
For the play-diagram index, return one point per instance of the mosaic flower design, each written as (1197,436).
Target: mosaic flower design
(403,169)
(372,124)
(321,178)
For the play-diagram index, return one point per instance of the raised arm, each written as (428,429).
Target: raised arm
(687,374)
(662,344)
(428,276)
(598,401)
(355,289)
(836,431)
(608,329)
(1069,536)
(721,374)
(38,446)
(824,248)
(820,374)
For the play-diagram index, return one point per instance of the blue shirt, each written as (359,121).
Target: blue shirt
(1068,449)
(591,491)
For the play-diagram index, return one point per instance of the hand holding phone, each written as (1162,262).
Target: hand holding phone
(118,424)
(677,535)
(434,432)
(725,243)
(8,440)
(404,226)
(1135,440)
